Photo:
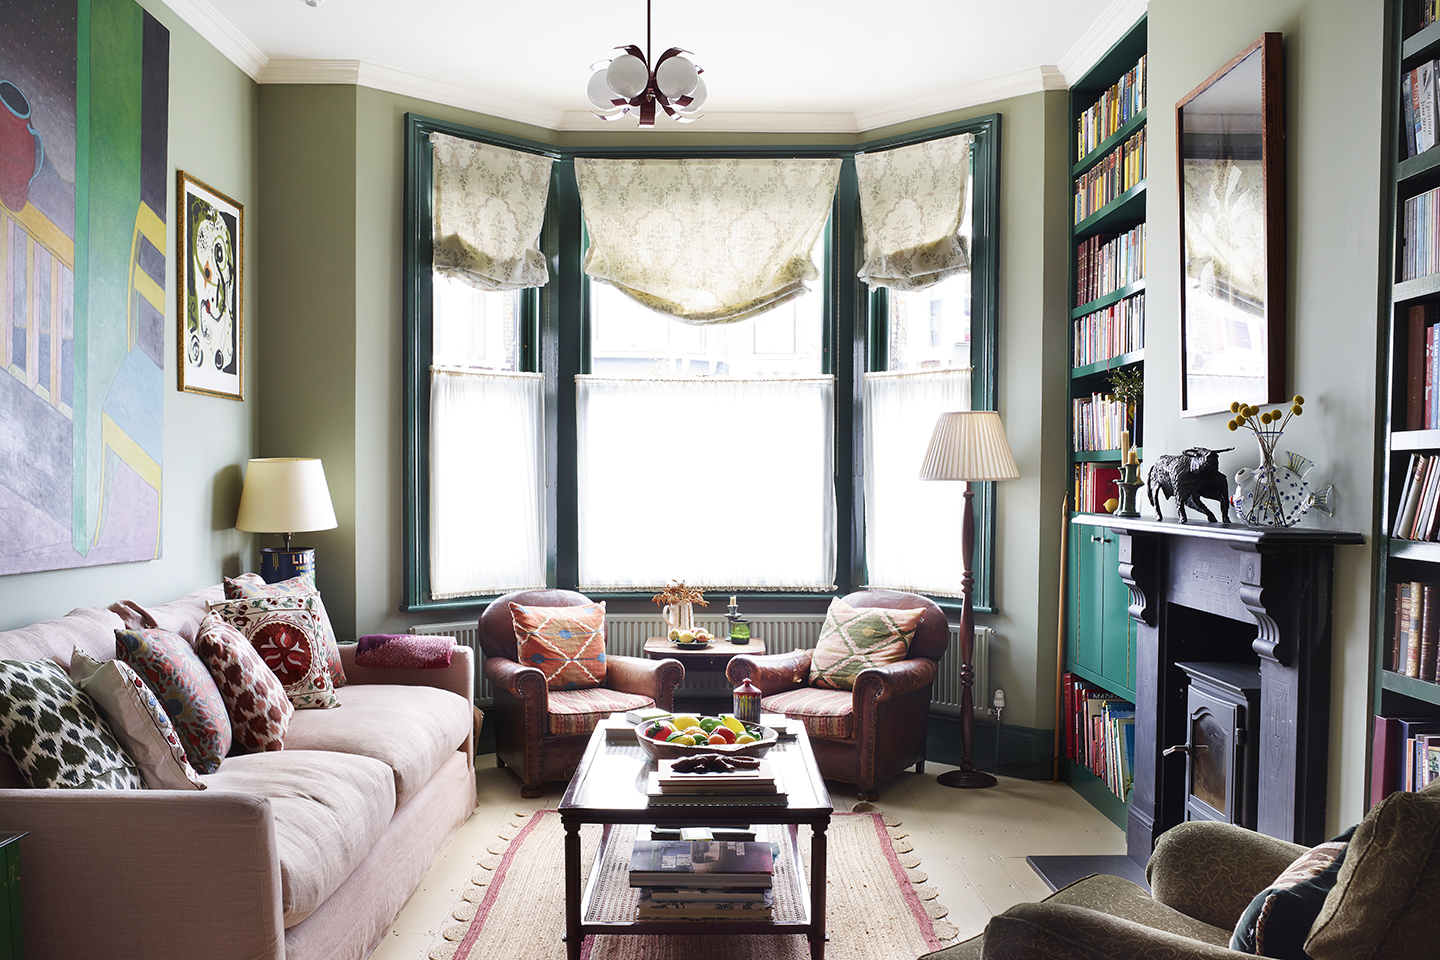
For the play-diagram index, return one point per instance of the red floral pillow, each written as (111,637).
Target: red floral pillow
(566,643)
(287,634)
(249,585)
(259,710)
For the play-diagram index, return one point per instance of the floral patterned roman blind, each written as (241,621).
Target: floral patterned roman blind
(705,241)
(912,200)
(489,208)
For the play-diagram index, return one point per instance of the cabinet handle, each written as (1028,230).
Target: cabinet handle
(1096,539)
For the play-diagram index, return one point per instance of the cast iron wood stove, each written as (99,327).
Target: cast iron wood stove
(1222,762)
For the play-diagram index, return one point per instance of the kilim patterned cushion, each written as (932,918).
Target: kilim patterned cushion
(169,666)
(580,711)
(249,585)
(853,639)
(54,734)
(287,634)
(566,643)
(825,713)
(259,710)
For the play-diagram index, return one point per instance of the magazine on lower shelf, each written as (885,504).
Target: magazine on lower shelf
(701,863)
(714,909)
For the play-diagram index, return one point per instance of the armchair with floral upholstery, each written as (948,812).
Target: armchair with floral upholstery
(540,732)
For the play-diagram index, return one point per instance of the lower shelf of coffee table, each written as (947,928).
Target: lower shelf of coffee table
(609,902)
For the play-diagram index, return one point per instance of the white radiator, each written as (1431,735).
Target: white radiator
(626,633)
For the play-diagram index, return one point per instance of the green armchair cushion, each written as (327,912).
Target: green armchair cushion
(1386,901)
(1278,920)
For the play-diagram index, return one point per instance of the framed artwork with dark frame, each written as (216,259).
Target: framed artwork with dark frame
(1230,148)
(211,255)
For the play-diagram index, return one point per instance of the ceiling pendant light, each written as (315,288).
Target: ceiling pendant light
(628,84)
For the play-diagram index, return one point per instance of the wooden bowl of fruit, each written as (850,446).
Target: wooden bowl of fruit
(682,735)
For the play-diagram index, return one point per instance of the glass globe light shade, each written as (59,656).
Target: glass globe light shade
(627,75)
(697,98)
(676,77)
(599,92)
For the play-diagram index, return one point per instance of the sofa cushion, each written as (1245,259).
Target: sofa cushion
(1387,897)
(854,638)
(137,720)
(54,733)
(92,629)
(166,662)
(330,810)
(254,698)
(253,585)
(412,729)
(567,644)
(288,634)
(580,711)
(1279,918)
(825,713)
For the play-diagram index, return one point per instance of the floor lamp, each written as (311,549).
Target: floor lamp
(968,446)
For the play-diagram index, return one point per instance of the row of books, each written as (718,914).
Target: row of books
(1417,98)
(1094,484)
(1429,12)
(757,785)
(1417,509)
(1404,755)
(1413,648)
(1097,422)
(1116,106)
(1115,330)
(1104,266)
(1421,235)
(1422,368)
(1100,733)
(703,879)
(1118,172)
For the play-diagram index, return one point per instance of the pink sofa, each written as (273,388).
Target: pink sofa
(300,854)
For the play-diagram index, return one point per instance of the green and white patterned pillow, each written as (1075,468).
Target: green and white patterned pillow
(854,638)
(54,733)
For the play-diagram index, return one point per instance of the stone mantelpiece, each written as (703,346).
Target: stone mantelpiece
(1227,592)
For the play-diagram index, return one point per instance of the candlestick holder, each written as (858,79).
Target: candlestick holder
(1128,483)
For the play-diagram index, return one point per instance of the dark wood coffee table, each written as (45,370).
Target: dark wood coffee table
(716,656)
(609,788)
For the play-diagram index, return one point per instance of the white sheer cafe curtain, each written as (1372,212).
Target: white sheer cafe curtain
(756,512)
(912,201)
(902,511)
(487,478)
(705,241)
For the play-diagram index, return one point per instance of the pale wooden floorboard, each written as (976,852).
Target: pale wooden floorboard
(972,845)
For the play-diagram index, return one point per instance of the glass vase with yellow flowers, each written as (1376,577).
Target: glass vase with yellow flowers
(1275,493)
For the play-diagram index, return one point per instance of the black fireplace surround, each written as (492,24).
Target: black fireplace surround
(1230,593)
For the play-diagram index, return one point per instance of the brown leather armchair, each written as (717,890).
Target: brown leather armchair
(542,736)
(867,735)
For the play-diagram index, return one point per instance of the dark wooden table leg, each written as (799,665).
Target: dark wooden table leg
(573,937)
(817,889)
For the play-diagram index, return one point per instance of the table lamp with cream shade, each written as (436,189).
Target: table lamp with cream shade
(968,445)
(285,495)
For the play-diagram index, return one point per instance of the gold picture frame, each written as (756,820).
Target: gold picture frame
(210,316)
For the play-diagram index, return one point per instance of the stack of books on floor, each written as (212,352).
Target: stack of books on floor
(703,879)
(744,786)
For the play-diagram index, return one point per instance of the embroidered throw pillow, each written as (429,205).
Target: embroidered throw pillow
(54,733)
(138,721)
(1279,918)
(254,698)
(287,634)
(566,643)
(854,638)
(171,669)
(249,585)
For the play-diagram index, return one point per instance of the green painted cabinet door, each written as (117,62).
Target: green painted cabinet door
(1117,639)
(1101,634)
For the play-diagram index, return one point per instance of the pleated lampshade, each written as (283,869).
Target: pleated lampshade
(969,445)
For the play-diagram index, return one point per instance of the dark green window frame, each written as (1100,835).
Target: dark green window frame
(555,341)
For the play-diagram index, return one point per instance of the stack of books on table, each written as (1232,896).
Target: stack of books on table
(703,879)
(755,785)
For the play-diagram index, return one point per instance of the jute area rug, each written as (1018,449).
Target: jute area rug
(879,905)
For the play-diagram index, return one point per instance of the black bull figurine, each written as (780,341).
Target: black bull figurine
(1195,473)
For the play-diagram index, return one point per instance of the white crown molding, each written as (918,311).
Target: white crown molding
(991,90)
(360,73)
(736,122)
(1112,24)
(221,34)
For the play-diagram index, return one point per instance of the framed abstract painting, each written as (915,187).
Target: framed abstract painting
(211,255)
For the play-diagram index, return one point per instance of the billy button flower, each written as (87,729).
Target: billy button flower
(1248,415)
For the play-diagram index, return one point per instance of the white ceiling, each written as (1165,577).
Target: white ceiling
(770,65)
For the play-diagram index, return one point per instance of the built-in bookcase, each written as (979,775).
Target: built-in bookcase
(1107,333)
(1406,625)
